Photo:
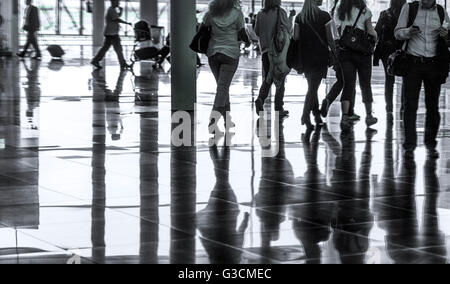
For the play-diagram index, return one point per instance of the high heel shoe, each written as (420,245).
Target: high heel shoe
(306,120)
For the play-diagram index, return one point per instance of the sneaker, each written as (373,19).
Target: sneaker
(370,120)
(96,65)
(259,106)
(432,154)
(38,58)
(283,112)
(354,117)
(20,54)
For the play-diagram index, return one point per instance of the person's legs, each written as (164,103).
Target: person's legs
(228,67)
(412,84)
(349,71)
(279,95)
(117,44)
(26,46)
(364,66)
(388,88)
(334,92)
(102,52)
(433,119)
(265,87)
(311,101)
(34,43)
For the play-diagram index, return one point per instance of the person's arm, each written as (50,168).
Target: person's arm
(402,31)
(380,23)
(370,30)
(369,27)
(116,17)
(329,27)
(443,31)
(258,25)
(292,14)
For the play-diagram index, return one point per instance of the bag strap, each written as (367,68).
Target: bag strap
(318,36)
(357,18)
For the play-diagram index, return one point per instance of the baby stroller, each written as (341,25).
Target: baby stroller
(145,48)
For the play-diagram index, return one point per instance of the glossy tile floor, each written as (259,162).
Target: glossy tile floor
(88,178)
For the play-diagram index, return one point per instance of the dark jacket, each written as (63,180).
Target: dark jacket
(32,22)
(387,43)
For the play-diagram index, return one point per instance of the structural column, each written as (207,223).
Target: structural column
(9,10)
(98,22)
(182,30)
(149,11)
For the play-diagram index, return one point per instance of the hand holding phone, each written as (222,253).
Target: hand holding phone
(414,30)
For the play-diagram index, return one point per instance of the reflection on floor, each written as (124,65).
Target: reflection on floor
(88,174)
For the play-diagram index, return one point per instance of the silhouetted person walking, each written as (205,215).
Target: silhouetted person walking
(112,37)
(388,44)
(31,26)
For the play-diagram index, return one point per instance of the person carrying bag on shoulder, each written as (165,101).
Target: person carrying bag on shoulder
(354,21)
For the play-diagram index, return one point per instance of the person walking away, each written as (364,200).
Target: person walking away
(266,28)
(388,44)
(31,25)
(338,86)
(112,37)
(423,25)
(349,13)
(226,20)
(311,30)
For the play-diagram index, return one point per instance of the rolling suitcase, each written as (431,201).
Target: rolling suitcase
(55,51)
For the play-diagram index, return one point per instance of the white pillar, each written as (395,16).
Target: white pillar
(9,10)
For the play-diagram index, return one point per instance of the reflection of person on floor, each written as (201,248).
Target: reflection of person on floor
(31,26)
(311,223)
(398,216)
(276,173)
(113,118)
(353,221)
(217,222)
(32,92)
(112,37)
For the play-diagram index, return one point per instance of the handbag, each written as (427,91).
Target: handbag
(357,40)
(293,56)
(398,63)
(200,42)
(332,58)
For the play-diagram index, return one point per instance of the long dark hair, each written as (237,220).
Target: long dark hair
(219,8)
(396,6)
(271,4)
(345,8)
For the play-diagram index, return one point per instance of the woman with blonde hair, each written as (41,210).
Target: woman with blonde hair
(226,20)
(310,29)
